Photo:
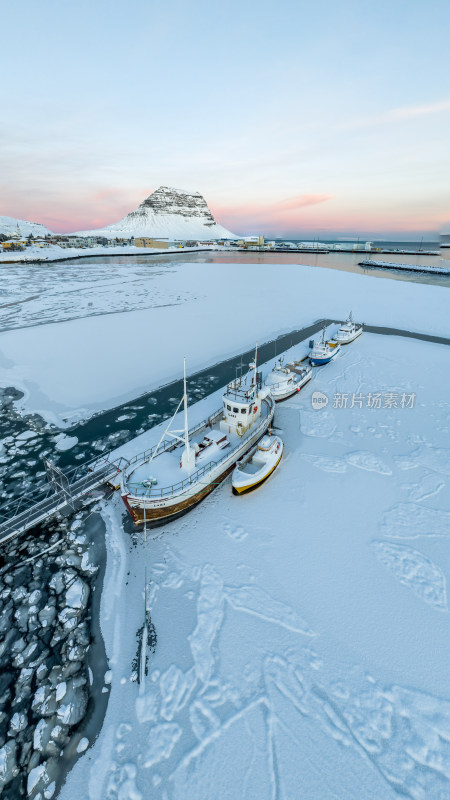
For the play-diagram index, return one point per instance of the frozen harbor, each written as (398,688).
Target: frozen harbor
(293,649)
(135,315)
(293,627)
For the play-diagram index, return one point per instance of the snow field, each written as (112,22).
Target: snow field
(302,629)
(206,312)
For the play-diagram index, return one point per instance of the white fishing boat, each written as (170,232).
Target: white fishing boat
(168,480)
(303,372)
(282,382)
(323,351)
(348,331)
(256,466)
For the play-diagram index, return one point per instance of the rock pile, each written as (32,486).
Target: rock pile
(44,637)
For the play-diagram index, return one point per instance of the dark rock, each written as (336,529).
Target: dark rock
(6,679)
(22,575)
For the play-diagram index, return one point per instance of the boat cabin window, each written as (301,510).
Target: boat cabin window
(235,411)
(229,408)
(243,410)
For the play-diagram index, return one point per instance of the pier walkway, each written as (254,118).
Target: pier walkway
(63,491)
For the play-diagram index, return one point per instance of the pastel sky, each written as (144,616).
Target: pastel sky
(328,119)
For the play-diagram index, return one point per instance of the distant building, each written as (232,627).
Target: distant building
(358,246)
(76,241)
(14,244)
(445,246)
(251,242)
(157,244)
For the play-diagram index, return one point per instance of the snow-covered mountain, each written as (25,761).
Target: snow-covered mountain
(8,226)
(168,213)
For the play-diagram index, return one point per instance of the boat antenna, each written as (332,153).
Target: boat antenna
(256,366)
(186,429)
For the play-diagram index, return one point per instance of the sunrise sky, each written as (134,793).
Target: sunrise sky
(329,119)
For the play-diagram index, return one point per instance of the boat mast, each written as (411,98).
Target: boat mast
(186,429)
(256,366)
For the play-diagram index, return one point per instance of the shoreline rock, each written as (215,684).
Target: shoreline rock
(45,636)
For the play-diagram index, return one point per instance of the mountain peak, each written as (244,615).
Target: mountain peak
(169,213)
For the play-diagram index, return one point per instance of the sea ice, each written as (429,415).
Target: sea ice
(415,571)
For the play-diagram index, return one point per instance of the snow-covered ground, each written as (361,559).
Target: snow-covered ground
(302,630)
(56,253)
(113,332)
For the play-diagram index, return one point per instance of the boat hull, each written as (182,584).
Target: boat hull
(299,384)
(252,486)
(280,397)
(318,362)
(159,516)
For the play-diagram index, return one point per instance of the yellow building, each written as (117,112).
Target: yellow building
(252,241)
(158,244)
(16,243)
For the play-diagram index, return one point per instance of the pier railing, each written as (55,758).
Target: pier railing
(30,509)
(27,511)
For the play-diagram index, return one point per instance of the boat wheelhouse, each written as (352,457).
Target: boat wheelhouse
(185,466)
(348,331)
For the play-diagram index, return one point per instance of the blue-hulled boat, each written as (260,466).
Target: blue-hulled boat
(323,351)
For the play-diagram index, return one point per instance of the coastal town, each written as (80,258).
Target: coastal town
(47,247)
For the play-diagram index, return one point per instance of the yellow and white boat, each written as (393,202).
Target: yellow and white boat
(256,466)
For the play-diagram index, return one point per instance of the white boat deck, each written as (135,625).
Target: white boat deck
(165,467)
(251,467)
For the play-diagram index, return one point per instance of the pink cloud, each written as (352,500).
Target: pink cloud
(327,221)
(301,201)
(283,214)
(77,211)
